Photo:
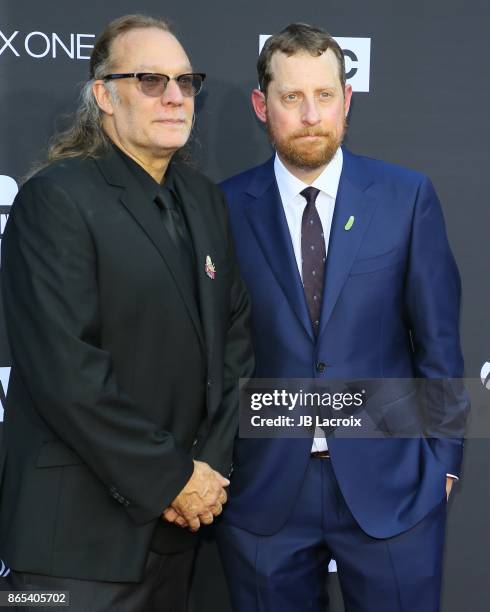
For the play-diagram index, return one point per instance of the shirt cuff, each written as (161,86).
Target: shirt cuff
(452,476)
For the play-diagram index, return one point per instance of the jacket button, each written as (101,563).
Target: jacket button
(195,442)
(208,384)
(321,367)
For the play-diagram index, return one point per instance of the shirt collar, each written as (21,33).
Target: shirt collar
(150,186)
(328,181)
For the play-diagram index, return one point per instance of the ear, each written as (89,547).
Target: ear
(347,98)
(103,97)
(260,105)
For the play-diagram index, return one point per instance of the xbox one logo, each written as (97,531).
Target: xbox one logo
(485,375)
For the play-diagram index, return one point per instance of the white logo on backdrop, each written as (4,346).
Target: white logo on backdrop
(8,191)
(357,53)
(39,45)
(4,385)
(485,375)
(4,570)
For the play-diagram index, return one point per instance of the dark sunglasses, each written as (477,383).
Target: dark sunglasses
(154,84)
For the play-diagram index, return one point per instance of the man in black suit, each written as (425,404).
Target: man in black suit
(128,324)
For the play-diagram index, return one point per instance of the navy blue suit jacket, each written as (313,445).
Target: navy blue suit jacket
(390,310)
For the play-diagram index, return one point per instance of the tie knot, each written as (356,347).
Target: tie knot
(310,194)
(164,199)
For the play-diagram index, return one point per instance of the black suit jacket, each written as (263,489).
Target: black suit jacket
(119,377)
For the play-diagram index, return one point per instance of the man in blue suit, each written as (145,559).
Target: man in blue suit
(351,276)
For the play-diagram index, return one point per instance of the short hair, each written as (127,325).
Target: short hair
(295,38)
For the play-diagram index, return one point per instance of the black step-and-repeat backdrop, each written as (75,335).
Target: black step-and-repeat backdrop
(420,75)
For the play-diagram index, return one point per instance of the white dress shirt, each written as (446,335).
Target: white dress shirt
(290,188)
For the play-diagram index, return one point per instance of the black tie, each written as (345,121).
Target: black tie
(176,227)
(313,256)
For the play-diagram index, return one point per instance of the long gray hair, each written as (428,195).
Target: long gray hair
(86,137)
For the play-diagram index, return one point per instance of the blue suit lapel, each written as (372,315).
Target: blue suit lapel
(266,216)
(352,200)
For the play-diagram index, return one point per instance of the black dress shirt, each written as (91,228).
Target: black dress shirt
(169,538)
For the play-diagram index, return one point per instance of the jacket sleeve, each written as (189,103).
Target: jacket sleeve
(50,295)
(433,298)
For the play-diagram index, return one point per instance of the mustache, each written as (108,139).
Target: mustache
(310,132)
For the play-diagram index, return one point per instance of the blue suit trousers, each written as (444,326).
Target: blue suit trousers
(287,571)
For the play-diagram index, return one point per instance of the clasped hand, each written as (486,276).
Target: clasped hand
(200,500)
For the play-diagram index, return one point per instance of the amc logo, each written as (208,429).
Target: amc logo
(357,53)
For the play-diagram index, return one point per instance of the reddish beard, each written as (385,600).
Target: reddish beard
(306,154)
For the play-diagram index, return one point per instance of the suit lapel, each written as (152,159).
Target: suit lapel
(266,216)
(352,201)
(147,217)
(203,248)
